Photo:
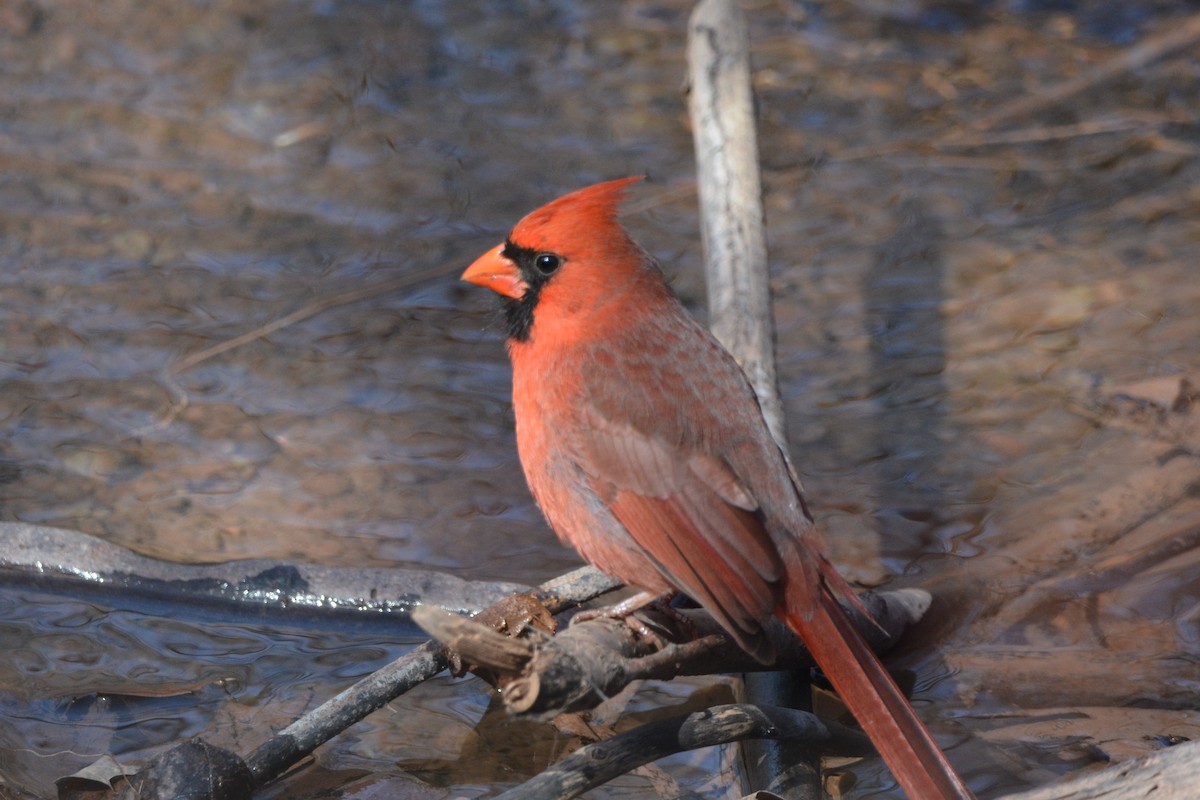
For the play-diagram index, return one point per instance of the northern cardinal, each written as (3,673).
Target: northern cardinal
(643,444)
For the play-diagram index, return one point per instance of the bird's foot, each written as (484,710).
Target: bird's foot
(627,609)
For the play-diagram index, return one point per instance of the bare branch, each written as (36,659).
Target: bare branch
(598,763)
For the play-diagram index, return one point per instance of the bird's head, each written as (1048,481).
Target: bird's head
(567,256)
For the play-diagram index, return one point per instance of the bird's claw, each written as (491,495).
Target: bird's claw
(627,611)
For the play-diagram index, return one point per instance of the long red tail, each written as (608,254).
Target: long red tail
(876,702)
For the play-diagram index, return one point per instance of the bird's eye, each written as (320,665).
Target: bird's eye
(547,263)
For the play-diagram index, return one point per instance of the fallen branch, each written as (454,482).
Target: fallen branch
(1171,774)
(53,557)
(598,763)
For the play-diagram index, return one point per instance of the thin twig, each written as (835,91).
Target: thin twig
(1049,133)
(180,398)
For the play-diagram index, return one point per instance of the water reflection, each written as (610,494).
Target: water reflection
(903,297)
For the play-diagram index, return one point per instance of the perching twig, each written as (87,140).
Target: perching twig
(473,641)
(587,662)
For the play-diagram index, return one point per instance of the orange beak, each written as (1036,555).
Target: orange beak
(494,271)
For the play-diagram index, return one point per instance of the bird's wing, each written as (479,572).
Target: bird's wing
(695,518)
(692,515)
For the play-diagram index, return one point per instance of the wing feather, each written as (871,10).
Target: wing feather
(692,515)
(620,458)
(717,577)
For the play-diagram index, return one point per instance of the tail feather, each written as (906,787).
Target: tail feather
(876,702)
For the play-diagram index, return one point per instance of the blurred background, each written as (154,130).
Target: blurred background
(986,324)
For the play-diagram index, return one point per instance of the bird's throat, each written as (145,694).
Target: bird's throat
(518,314)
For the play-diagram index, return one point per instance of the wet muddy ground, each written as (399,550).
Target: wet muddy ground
(986,324)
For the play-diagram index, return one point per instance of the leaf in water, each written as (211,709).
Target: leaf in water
(100,773)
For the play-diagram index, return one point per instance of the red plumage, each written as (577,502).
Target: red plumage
(645,448)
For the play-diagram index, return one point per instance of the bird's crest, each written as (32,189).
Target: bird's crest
(578,217)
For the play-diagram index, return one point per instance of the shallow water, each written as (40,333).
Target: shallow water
(85,678)
(957,328)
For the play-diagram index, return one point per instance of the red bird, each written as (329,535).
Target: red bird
(643,444)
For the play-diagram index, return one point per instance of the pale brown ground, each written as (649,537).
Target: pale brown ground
(981,332)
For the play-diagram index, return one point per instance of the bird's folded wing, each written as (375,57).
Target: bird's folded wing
(692,516)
